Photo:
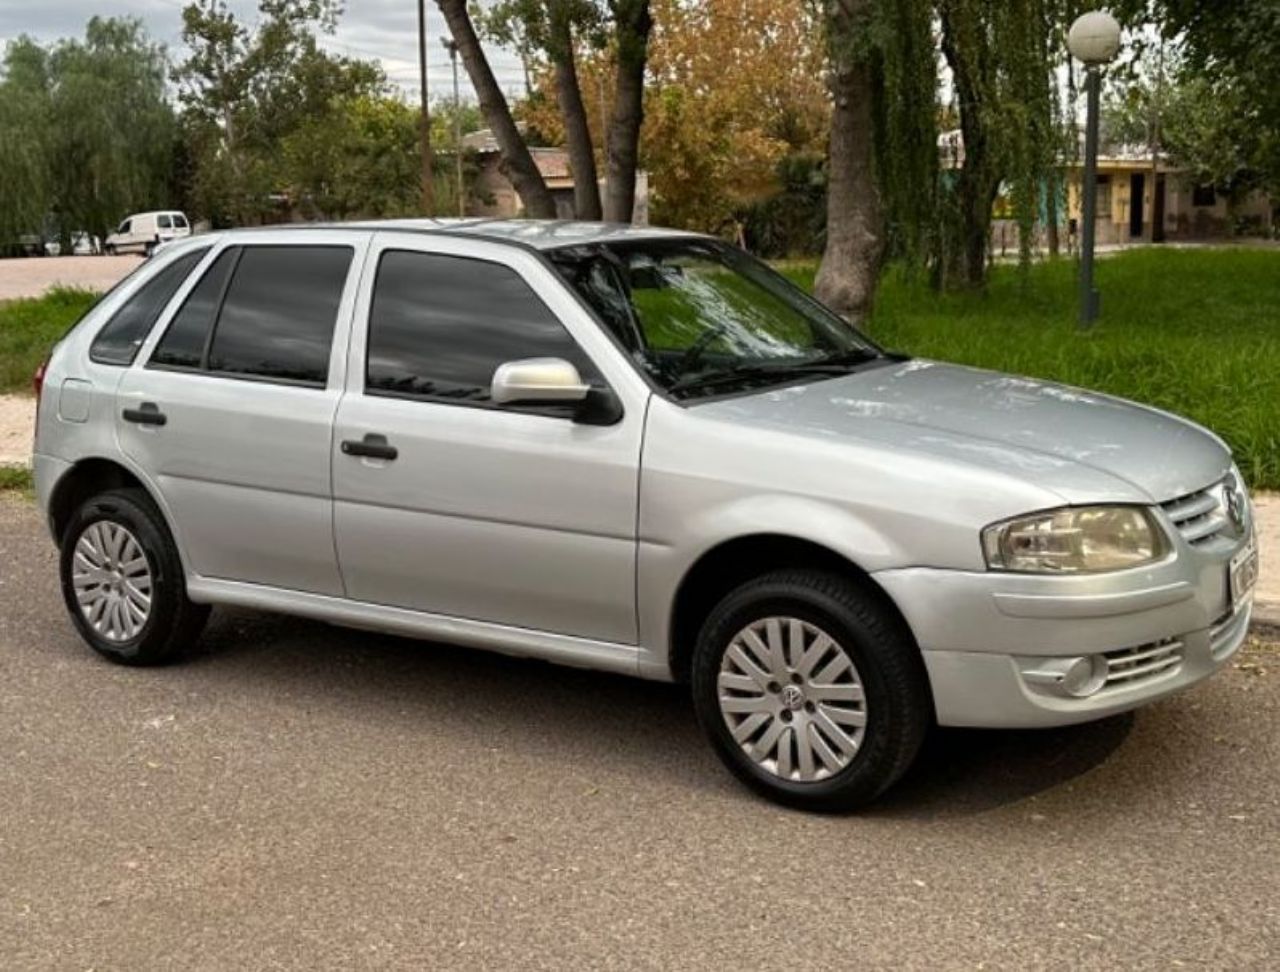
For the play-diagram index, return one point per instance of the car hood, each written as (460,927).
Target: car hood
(1082,445)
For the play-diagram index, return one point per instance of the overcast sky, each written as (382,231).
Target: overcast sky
(383,30)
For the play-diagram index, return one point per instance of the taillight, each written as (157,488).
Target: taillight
(37,382)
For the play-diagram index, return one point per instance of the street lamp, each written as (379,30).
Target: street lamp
(1094,39)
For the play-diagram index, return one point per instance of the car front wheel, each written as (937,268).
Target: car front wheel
(122,581)
(810,689)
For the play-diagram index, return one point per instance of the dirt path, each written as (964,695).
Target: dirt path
(32,276)
(17,423)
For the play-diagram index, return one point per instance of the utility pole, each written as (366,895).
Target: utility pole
(452,46)
(424,123)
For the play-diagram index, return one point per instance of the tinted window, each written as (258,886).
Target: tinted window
(118,342)
(165,222)
(183,343)
(441,325)
(277,320)
(179,220)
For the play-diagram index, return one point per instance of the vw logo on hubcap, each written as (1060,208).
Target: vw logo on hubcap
(792,697)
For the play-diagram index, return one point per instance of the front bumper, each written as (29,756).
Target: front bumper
(989,637)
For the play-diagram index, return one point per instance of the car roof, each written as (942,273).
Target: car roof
(541,234)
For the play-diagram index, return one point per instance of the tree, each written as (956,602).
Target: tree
(631,26)
(245,92)
(1002,58)
(882,159)
(551,29)
(516,161)
(1226,124)
(25,118)
(855,232)
(92,131)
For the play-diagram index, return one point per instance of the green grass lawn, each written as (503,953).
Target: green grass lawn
(28,328)
(1193,331)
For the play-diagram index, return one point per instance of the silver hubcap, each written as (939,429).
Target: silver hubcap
(112,581)
(792,698)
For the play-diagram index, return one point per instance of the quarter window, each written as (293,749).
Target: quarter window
(441,325)
(118,342)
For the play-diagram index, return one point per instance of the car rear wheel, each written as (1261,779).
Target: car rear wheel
(811,690)
(122,581)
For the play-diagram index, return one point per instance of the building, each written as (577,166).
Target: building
(1130,196)
(492,194)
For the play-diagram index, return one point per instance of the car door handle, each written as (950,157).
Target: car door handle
(148,413)
(372,446)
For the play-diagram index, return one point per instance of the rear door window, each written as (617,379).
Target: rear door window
(278,317)
(118,341)
(265,312)
(164,222)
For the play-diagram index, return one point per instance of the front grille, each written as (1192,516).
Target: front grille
(1201,517)
(1133,666)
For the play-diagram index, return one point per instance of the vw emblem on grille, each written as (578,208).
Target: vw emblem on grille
(1234,500)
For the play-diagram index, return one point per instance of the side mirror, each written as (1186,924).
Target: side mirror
(538,380)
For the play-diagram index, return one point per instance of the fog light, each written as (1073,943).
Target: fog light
(1084,676)
(1079,676)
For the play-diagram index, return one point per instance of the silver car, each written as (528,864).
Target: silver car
(640,451)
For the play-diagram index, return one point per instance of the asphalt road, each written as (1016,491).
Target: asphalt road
(300,796)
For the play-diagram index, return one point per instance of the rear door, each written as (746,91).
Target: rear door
(230,410)
(511,514)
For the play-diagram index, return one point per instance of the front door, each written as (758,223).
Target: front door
(231,414)
(512,514)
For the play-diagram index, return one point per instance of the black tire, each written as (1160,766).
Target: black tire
(173,623)
(898,705)
(109,249)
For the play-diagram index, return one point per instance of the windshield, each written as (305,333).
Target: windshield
(702,318)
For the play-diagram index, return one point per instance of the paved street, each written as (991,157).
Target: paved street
(300,796)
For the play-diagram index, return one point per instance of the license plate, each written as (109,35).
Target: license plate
(1243,572)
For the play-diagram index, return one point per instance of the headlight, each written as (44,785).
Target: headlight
(1075,540)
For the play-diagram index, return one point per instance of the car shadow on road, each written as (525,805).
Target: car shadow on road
(605,718)
(967,771)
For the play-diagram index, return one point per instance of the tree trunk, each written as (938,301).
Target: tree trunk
(632,24)
(977,182)
(851,262)
(517,162)
(577,133)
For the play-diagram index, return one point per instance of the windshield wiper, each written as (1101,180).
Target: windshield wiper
(748,372)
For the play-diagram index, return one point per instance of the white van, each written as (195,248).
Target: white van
(143,232)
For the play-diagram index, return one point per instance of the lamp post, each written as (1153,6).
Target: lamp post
(1094,39)
(452,46)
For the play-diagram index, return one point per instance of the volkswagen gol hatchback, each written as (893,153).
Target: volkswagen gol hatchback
(639,451)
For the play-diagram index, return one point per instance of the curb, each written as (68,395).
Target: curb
(1266,617)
